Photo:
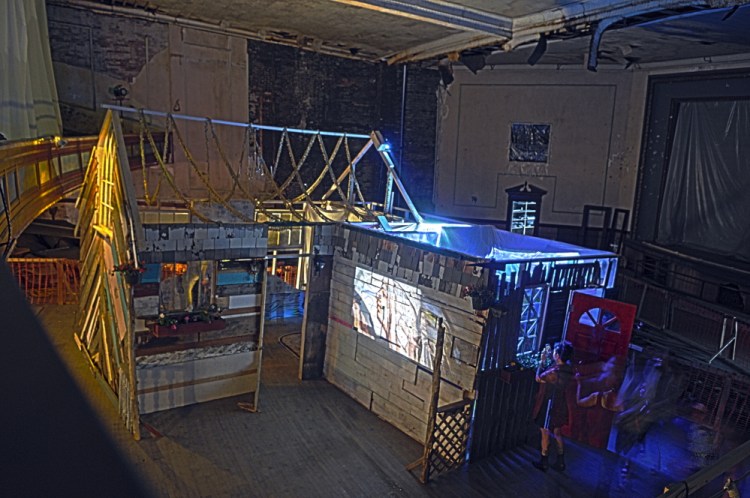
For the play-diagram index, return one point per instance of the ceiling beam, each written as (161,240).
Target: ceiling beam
(527,29)
(152,14)
(455,43)
(446,14)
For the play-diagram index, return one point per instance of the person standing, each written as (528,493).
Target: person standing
(551,406)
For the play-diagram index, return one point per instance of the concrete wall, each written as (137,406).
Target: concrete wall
(593,151)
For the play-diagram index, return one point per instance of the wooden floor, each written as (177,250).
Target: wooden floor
(309,439)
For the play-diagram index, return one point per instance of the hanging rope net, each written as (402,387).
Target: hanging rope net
(258,173)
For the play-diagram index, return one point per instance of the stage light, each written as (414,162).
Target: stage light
(318,262)
(119,92)
(384,146)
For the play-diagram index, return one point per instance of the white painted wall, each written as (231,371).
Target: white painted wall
(595,141)
(595,121)
(199,74)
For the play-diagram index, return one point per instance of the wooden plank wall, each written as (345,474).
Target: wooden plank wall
(388,383)
(109,229)
(317,301)
(169,381)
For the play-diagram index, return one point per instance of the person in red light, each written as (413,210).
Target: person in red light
(599,393)
(551,407)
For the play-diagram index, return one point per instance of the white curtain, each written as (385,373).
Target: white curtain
(28,98)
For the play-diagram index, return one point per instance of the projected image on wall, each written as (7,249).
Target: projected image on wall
(393,311)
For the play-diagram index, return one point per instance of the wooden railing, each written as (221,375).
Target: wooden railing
(36,174)
(47,280)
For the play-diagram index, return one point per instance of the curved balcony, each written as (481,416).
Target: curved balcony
(36,174)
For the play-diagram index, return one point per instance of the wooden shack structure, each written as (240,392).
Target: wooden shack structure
(177,281)
(497,296)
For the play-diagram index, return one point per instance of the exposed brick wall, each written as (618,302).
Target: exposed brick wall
(288,87)
(295,88)
(119,47)
(98,51)
(420,121)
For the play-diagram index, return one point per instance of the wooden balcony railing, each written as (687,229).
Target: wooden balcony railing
(36,174)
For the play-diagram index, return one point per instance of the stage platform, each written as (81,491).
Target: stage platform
(310,439)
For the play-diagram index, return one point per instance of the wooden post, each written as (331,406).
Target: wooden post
(135,242)
(263,291)
(60,282)
(134,409)
(434,398)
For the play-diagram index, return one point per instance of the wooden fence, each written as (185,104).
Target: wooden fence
(47,280)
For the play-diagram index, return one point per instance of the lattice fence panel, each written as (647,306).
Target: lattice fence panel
(450,437)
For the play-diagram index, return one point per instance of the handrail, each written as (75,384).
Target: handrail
(691,285)
(686,487)
(35,174)
(460,404)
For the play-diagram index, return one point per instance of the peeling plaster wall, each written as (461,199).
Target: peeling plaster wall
(93,53)
(164,68)
(595,121)
(173,69)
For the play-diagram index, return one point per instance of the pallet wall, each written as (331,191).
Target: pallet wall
(392,385)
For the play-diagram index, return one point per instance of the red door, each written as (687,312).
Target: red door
(599,330)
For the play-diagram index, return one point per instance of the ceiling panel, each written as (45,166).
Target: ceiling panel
(400,31)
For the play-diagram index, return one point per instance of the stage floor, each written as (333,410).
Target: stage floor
(310,439)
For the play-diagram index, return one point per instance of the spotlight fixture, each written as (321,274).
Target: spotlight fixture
(119,92)
(318,262)
(539,50)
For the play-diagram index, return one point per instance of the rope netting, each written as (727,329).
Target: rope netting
(310,175)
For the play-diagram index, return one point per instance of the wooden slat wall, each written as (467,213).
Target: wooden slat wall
(503,419)
(385,381)
(108,228)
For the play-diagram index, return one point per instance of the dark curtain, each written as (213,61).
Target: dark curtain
(706,198)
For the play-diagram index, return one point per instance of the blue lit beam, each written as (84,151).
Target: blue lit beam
(384,151)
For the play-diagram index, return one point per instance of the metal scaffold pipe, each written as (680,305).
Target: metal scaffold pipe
(235,123)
